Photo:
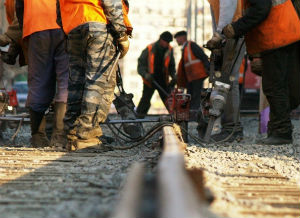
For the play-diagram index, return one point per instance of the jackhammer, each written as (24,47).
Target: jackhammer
(221,76)
(124,105)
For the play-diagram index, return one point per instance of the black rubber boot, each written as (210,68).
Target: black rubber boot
(275,140)
(38,134)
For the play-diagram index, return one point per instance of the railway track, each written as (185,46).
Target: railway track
(46,183)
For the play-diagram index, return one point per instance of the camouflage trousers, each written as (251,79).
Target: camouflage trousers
(91,55)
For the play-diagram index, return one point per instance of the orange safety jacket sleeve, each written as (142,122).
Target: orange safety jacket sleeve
(254,15)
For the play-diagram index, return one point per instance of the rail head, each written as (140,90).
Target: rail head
(177,195)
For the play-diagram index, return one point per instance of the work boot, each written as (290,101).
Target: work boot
(58,137)
(275,140)
(38,125)
(87,133)
(78,144)
(228,136)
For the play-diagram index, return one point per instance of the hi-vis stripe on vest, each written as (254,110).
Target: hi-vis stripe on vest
(280,28)
(189,57)
(193,67)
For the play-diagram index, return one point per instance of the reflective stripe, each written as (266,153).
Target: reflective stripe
(278,2)
(189,54)
(192,62)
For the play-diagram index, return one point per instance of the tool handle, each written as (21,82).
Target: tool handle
(114,66)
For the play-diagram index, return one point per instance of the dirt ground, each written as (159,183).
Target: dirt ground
(44,183)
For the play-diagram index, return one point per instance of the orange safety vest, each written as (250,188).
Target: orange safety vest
(75,13)
(10,10)
(39,15)
(91,11)
(193,67)
(280,28)
(151,57)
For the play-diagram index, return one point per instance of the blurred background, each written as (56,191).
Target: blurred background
(149,20)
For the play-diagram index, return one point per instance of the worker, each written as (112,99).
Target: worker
(47,68)
(156,64)
(12,37)
(95,34)
(223,13)
(193,68)
(272,31)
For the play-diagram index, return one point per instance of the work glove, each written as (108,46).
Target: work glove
(256,66)
(215,41)
(148,77)
(4,40)
(123,45)
(228,31)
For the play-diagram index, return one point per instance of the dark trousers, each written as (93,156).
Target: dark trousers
(281,85)
(48,67)
(194,88)
(144,103)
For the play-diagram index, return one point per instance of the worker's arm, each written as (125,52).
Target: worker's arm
(20,11)
(58,14)
(255,14)
(143,63)
(227,10)
(199,53)
(114,13)
(13,31)
(172,67)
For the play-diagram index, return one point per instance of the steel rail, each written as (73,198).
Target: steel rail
(176,197)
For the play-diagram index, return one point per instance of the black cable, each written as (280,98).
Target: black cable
(149,134)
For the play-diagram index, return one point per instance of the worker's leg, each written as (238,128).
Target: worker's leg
(294,75)
(194,88)
(144,103)
(230,121)
(58,138)
(41,76)
(95,46)
(276,88)
(41,83)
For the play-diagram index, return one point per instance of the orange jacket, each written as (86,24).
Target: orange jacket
(10,10)
(280,28)
(190,68)
(39,15)
(91,11)
(75,13)
(151,57)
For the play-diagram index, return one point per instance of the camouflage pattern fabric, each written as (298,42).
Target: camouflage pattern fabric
(92,53)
